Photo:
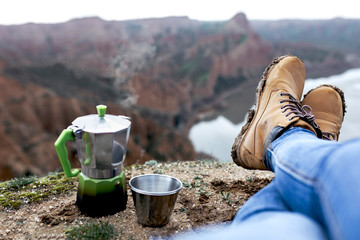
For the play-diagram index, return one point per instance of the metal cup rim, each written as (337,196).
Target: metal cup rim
(154,193)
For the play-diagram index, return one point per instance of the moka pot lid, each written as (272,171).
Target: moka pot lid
(101,122)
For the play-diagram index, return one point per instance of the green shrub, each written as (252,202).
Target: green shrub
(20,182)
(91,230)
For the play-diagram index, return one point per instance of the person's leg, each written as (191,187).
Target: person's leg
(277,108)
(266,210)
(263,216)
(299,159)
(319,178)
(266,225)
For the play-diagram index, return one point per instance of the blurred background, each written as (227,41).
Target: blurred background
(184,71)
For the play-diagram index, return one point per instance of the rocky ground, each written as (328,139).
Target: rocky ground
(45,208)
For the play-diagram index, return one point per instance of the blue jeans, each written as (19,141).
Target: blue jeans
(315,193)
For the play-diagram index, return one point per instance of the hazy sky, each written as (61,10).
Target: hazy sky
(50,11)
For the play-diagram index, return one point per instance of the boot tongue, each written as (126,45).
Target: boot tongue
(301,114)
(303,124)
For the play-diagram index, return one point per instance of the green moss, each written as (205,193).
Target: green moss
(14,204)
(7,202)
(19,191)
(136,166)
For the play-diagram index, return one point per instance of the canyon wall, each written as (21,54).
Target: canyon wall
(164,73)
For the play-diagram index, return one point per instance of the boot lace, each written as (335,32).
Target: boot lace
(294,107)
(327,136)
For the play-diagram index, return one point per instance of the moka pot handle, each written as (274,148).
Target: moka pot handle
(66,135)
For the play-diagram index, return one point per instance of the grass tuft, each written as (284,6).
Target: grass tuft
(20,182)
(91,230)
(151,163)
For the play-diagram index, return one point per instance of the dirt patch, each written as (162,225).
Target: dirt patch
(67,213)
(212,194)
(221,202)
(243,188)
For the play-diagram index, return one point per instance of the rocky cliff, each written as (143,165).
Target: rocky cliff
(163,73)
(154,63)
(160,72)
(32,117)
(327,47)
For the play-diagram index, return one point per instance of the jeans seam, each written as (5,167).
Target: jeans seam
(329,210)
(292,171)
(252,213)
(315,185)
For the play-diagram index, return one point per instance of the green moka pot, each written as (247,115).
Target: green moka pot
(101,141)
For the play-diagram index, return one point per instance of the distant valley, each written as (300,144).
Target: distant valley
(166,74)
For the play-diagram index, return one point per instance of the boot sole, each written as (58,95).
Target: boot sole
(252,113)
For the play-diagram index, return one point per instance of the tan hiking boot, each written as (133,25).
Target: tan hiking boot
(277,109)
(328,106)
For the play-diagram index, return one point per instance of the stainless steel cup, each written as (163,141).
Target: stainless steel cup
(154,198)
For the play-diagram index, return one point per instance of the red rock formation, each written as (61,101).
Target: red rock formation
(33,117)
(160,72)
